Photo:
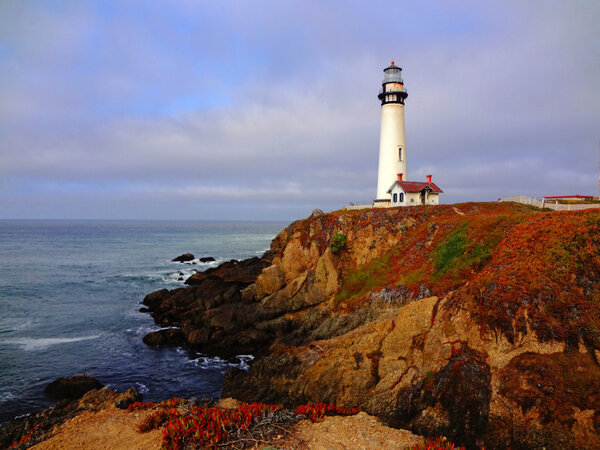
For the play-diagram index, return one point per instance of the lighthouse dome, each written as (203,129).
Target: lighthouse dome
(392,74)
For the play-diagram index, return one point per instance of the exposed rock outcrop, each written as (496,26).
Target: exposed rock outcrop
(456,320)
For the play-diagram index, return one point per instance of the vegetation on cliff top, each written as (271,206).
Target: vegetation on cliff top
(517,268)
(439,251)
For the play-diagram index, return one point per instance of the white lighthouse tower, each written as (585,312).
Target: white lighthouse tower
(392,146)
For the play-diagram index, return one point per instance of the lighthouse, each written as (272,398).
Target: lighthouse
(392,145)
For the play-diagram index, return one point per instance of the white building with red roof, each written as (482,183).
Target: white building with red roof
(411,193)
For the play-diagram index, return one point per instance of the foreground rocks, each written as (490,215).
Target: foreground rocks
(47,422)
(449,320)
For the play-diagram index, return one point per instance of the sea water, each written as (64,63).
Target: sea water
(70,294)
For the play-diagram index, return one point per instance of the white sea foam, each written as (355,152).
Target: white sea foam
(142,388)
(142,330)
(209,362)
(29,344)
(244,363)
(6,396)
(214,362)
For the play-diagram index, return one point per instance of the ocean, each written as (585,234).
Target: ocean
(70,294)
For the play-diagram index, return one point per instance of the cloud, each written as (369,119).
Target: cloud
(225,110)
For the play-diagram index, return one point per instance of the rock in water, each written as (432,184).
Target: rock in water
(207,259)
(72,387)
(170,336)
(183,258)
(244,272)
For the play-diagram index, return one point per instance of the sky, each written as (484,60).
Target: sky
(252,110)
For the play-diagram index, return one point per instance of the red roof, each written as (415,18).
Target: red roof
(418,186)
(570,196)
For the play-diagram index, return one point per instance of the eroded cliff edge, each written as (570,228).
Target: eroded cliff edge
(478,321)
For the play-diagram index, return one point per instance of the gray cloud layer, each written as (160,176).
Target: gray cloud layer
(269,109)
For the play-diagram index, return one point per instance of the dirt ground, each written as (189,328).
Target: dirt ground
(354,432)
(107,429)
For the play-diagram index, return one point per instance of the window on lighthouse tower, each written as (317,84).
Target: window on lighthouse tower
(399,153)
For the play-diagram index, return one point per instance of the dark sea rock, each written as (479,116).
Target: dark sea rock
(210,314)
(171,336)
(73,387)
(183,258)
(207,259)
(242,272)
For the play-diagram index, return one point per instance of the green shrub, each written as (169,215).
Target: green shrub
(450,250)
(338,242)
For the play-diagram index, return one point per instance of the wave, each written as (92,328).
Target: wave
(214,362)
(142,388)
(142,330)
(30,344)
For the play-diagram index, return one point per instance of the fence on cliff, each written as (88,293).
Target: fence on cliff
(554,206)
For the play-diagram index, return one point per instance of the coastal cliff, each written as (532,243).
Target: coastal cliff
(477,321)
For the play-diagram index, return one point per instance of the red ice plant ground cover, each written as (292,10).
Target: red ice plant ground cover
(209,427)
(544,277)
(201,426)
(316,412)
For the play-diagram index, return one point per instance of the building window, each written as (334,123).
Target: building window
(401,197)
(395,198)
(399,153)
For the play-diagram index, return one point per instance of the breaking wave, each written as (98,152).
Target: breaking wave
(30,344)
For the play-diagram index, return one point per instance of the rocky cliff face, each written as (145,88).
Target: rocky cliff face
(477,321)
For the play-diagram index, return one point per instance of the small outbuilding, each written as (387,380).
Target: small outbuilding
(412,193)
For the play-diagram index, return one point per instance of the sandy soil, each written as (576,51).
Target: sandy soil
(107,429)
(355,432)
